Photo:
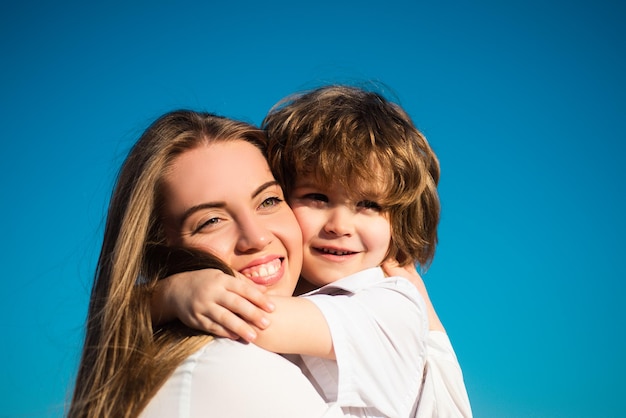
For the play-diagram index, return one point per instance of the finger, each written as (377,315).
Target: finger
(392,268)
(259,287)
(245,310)
(252,294)
(228,324)
(218,330)
(390,263)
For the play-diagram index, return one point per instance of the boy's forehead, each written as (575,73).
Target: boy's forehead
(355,187)
(308,180)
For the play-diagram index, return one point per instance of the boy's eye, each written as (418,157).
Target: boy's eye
(319,197)
(369,204)
(270,202)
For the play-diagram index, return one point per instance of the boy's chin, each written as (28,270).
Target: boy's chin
(319,280)
(331,276)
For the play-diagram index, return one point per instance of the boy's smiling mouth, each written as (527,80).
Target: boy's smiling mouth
(333,251)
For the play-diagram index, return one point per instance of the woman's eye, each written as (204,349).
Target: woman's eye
(206,224)
(271,201)
(369,204)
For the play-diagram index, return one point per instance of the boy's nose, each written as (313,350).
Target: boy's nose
(339,221)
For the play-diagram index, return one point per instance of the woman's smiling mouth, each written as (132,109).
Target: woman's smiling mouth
(265,274)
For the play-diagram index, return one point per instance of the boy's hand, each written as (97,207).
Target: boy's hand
(212,301)
(392,268)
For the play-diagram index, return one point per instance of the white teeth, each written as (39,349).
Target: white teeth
(334,252)
(262,270)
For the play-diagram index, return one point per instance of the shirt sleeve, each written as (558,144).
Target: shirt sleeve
(443,391)
(379,336)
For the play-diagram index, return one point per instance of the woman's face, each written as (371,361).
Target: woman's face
(222,198)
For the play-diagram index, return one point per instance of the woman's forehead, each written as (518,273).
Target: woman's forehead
(219,170)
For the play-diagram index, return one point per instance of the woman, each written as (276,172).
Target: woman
(204,178)
(341,120)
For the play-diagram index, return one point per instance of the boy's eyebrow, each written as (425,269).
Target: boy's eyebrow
(307,183)
(221,204)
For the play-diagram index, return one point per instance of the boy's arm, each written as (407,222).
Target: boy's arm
(297,327)
(214,302)
(211,301)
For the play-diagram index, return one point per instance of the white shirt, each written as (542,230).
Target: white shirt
(443,390)
(227,378)
(379,329)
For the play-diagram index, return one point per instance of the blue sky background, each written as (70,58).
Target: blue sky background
(523,101)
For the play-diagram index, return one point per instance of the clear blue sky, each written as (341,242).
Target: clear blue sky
(524,102)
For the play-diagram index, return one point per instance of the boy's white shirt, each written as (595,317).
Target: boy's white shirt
(379,332)
(443,389)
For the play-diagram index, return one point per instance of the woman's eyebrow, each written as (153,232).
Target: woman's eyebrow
(201,206)
(222,204)
(263,187)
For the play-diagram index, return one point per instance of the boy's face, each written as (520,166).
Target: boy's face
(341,235)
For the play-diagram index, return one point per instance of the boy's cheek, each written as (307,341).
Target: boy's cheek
(305,219)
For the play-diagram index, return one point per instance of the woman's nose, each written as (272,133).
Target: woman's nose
(253,235)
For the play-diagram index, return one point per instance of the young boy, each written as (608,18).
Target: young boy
(361,180)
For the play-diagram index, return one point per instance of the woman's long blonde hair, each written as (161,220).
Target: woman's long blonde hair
(123,361)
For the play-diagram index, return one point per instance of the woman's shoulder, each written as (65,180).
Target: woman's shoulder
(232,378)
(236,356)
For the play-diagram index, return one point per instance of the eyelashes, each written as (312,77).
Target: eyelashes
(210,223)
(320,199)
(271,202)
